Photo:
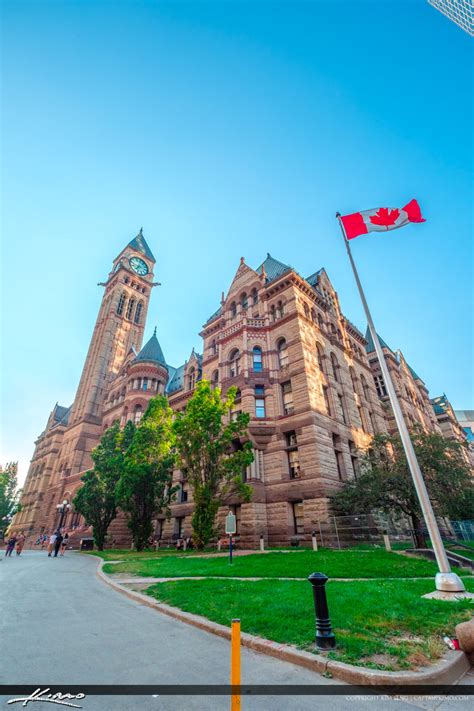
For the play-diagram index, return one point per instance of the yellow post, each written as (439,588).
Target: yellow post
(235,663)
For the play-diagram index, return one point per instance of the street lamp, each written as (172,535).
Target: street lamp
(63,509)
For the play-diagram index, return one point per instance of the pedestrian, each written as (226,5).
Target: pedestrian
(52,541)
(64,543)
(20,543)
(57,543)
(44,539)
(11,542)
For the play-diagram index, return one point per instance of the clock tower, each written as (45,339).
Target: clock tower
(119,327)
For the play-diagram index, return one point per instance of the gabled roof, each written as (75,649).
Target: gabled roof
(273,268)
(151,352)
(140,244)
(415,376)
(61,414)
(370,347)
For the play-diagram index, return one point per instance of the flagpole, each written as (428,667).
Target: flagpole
(446,580)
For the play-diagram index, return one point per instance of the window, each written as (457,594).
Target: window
(365,388)
(138,312)
(343,410)
(280,309)
(287,395)
(254,296)
(354,458)
(306,309)
(234,359)
(282,353)
(137,414)
(320,322)
(336,443)
(191,378)
(380,386)
(273,312)
(326,400)
(130,305)
(313,315)
(373,422)
(183,495)
(215,379)
(362,419)
(291,440)
(257,359)
(145,384)
(320,357)
(121,303)
(298,517)
(294,463)
(213,347)
(335,367)
(233,310)
(259,401)
(244,301)
(178,526)
(354,379)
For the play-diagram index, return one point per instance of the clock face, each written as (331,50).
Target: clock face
(138,266)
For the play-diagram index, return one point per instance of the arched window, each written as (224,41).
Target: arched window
(335,367)
(137,414)
(354,379)
(280,309)
(282,353)
(213,346)
(320,322)
(215,379)
(121,303)
(365,388)
(234,363)
(130,306)
(313,315)
(254,296)
(233,310)
(257,359)
(138,312)
(320,357)
(244,302)
(273,312)
(191,378)
(306,309)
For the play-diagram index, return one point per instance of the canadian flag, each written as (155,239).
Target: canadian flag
(381,219)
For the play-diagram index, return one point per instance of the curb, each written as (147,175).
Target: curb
(447,670)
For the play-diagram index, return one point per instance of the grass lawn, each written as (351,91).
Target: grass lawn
(379,624)
(127,554)
(336,564)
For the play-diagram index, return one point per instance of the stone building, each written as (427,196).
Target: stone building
(304,372)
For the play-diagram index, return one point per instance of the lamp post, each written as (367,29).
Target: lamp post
(63,509)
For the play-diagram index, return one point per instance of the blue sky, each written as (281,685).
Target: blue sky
(228,129)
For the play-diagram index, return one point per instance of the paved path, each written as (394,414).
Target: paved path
(61,625)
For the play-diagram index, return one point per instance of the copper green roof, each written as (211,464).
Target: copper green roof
(370,347)
(140,244)
(151,352)
(273,268)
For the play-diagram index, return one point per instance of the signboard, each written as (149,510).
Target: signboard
(230,523)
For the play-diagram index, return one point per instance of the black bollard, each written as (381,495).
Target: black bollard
(325,638)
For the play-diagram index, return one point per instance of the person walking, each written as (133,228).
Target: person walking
(52,541)
(11,542)
(64,543)
(57,544)
(20,543)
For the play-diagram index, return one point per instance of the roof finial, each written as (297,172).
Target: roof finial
(140,234)
(154,332)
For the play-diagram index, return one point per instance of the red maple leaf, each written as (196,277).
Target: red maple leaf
(385,216)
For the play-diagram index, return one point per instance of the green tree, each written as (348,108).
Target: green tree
(9,494)
(96,500)
(385,482)
(209,450)
(145,487)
